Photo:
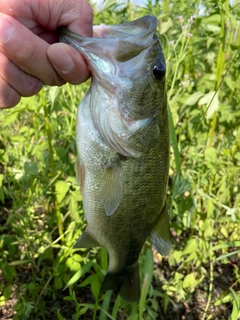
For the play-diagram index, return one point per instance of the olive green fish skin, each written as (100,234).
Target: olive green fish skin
(123,145)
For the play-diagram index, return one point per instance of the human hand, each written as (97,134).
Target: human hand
(29,53)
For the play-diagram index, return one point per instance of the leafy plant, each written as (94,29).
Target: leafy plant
(41,211)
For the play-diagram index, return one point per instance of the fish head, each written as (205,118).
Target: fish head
(127,61)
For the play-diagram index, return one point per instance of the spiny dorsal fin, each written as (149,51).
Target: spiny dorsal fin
(86,241)
(160,235)
(111,187)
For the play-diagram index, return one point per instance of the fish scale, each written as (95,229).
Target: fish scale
(123,147)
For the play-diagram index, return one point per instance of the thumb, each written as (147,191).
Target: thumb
(69,63)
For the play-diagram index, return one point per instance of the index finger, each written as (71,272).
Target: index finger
(77,15)
(26,50)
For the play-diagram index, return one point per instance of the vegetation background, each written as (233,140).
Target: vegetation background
(41,212)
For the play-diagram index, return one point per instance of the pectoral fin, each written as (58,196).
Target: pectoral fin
(80,173)
(86,241)
(160,235)
(111,187)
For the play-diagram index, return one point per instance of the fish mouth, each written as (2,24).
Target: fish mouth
(122,41)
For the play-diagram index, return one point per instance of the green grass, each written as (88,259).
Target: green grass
(41,211)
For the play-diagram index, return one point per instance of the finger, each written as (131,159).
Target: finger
(25,84)
(69,63)
(26,50)
(77,15)
(8,96)
(79,18)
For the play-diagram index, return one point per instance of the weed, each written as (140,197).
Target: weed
(41,209)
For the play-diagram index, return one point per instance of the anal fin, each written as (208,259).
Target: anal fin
(111,187)
(86,240)
(160,234)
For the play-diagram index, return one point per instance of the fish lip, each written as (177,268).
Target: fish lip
(134,31)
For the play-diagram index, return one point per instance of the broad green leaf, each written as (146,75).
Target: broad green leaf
(73,208)
(95,286)
(11,117)
(208,232)
(192,280)
(72,264)
(210,154)
(2,301)
(175,257)
(214,19)
(83,311)
(71,226)
(230,83)
(211,100)
(8,272)
(224,299)
(7,292)
(61,188)
(165,26)
(192,256)
(53,93)
(31,167)
(190,247)
(193,98)
(212,28)
(178,276)
(224,232)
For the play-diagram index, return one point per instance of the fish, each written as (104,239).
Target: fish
(122,138)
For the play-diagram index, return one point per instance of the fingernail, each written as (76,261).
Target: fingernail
(6,29)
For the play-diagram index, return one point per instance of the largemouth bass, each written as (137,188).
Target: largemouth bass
(123,147)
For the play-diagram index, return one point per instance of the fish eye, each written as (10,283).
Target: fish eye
(159,71)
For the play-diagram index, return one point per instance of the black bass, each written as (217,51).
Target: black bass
(123,147)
